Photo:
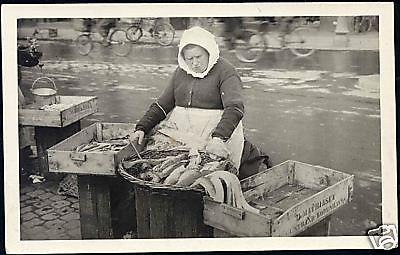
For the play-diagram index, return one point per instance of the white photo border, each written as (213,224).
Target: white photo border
(12,12)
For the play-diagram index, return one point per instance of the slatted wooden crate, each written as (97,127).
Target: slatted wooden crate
(69,109)
(62,157)
(291,197)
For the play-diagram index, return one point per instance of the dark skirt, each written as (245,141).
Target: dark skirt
(252,160)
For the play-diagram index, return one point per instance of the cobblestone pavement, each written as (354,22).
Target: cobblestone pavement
(45,215)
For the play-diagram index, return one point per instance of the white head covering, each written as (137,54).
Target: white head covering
(203,38)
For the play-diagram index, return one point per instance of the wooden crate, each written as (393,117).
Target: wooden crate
(70,110)
(291,196)
(63,159)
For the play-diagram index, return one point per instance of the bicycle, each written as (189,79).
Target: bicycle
(365,23)
(296,37)
(162,32)
(117,39)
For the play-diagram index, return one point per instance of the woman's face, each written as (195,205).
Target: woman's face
(196,58)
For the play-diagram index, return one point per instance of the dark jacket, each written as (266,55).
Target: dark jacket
(219,89)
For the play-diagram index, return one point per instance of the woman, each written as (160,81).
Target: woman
(203,102)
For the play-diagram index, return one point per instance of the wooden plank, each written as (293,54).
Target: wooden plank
(103,207)
(25,136)
(94,163)
(313,209)
(322,228)
(251,225)
(75,100)
(261,177)
(99,131)
(123,210)
(316,176)
(34,117)
(160,218)
(275,203)
(177,215)
(187,218)
(70,143)
(294,198)
(283,193)
(264,182)
(142,211)
(87,208)
(94,206)
(202,230)
(271,211)
(82,109)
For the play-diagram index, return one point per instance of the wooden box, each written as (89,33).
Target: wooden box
(291,197)
(67,110)
(62,157)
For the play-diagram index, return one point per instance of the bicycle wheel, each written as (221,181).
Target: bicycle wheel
(84,44)
(300,40)
(120,44)
(134,33)
(164,34)
(365,24)
(250,48)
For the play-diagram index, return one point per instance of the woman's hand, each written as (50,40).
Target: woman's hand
(217,147)
(138,136)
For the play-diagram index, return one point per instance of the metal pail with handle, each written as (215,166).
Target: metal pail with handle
(44,95)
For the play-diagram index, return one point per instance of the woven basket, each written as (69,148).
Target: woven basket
(152,185)
(159,186)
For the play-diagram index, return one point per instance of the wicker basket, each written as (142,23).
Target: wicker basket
(135,180)
(152,185)
(158,187)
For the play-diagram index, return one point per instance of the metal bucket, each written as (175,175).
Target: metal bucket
(44,95)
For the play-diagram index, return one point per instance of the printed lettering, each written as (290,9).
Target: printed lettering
(317,211)
(315,206)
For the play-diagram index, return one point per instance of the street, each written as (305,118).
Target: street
(321,110)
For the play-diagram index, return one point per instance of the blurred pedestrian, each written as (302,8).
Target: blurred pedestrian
(233,30)
(104,26)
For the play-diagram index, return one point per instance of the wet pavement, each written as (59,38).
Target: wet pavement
(321,110)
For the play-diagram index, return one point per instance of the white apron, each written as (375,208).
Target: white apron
(193,127)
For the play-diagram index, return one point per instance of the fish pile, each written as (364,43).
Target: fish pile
(108,145)
(178,166)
